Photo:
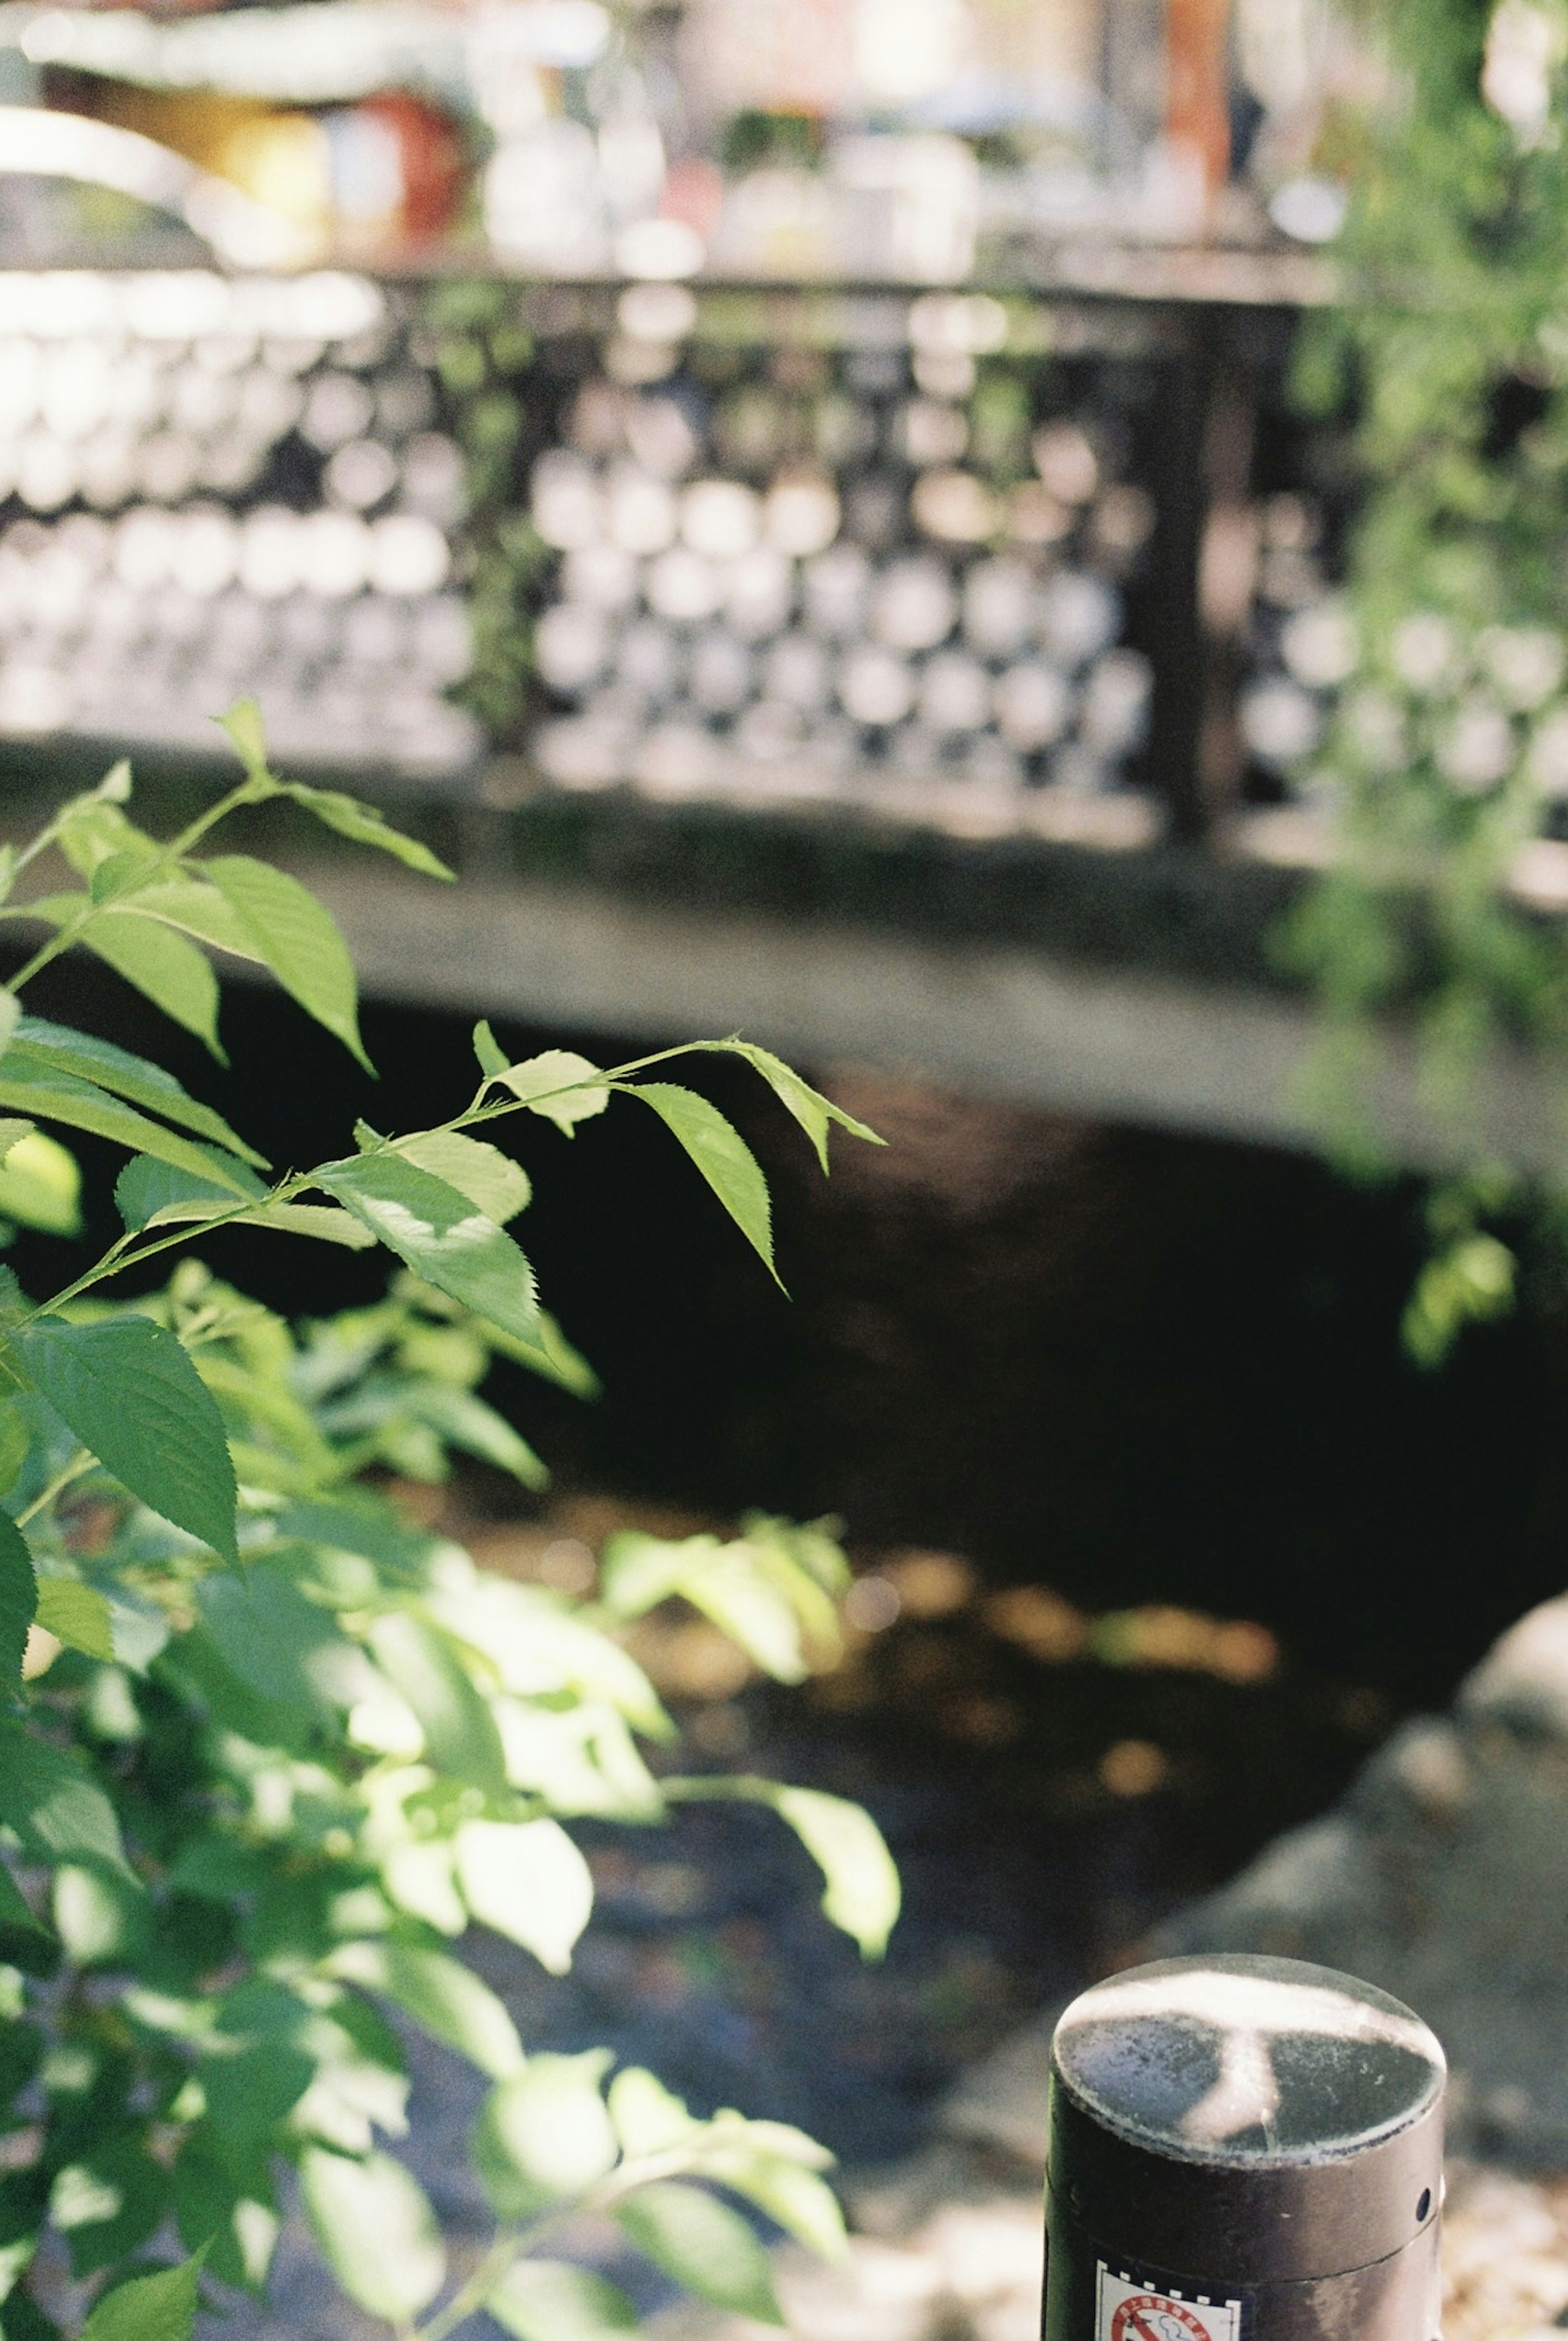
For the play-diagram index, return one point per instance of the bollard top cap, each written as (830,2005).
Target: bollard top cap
(1247,2063)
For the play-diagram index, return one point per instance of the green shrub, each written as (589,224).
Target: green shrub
(266,1751)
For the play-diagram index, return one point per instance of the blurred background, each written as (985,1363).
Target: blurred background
(817,510)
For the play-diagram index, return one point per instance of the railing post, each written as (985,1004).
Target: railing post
(1243,2149)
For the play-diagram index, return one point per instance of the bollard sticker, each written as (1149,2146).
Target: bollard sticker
(1139,2307)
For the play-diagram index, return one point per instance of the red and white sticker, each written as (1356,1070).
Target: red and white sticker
(1130,2311)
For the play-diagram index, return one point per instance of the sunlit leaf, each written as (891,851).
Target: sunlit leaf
(441,1235)
(147,1191)
(373,2221)
(298,938)
(528,1880)
(862,1890)
(59,1097)
(489,1179)
(544,2135)
(555,2300)
(461,1737)
(57,1046)
(78,1615)
(703,2245)
(440,1994)
(559,1085)
(366,826)
(162,965)
(722,1156)
(815,1113)
(41,1184)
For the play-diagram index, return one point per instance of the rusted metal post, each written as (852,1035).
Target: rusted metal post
(1243,2149)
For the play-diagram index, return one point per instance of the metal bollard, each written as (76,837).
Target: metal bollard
(1243,2149)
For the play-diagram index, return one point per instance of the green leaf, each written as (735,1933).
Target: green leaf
(528,1880)
(298,940)
(461,1736)
(40,1183)
(722,1156)
(170,971)
(244,727)
(15,1912)
(197,908)
(791,2195)
(10,1010)
(133,1398)
(12,1133)
(254,2088)
(648,2119)
(703,2245)
(78,1615)
(59,1047)
(466,1422)
(373,2221)
(148,1190)
(440,1994)
(161,2307)
(98,1915)
(232,2217)
(441,1235)
(58,1096)
(59,1813)
(555,2300)
(268,1634)
(544,2136)
(366,826)
(726,1583)
(559,1084)
(814,1112)
(491,1056)
(862,1894)
(18,1601)
(491,1179)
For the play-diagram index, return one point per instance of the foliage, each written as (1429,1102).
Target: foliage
(266,1751)
(1451,344)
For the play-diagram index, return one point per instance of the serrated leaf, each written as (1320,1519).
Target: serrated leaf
(18,1601)
(322,1222)
(366,826)
(57,1810)
(554,1360)
(555,2300)
(164,966)
(861,1894)
(559,1085)
(703,2245)
(41,1184)
(722,1156)
(148,1190)
(161,2307)
(373,2221)
(544,2136)
(59,1097)
(815,1113)
(491,1180)
(133,1398)
(244,727)
(461,1736)
(78,1615)
(528,1880)
(12,1133)
(83,1054)
(298,938)
(441,1235)
(440,1994)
